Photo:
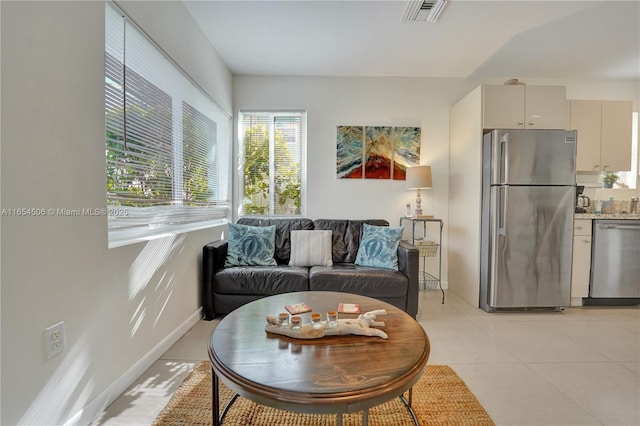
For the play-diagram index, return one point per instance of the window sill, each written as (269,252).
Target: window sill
(120,238)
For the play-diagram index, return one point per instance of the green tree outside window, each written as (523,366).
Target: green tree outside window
(272,165)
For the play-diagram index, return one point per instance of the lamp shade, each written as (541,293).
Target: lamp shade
(418,177)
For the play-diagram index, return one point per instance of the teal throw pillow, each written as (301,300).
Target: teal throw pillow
(379,246)
(251,245)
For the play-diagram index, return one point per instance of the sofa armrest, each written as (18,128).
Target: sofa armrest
(408,264)
(214,255)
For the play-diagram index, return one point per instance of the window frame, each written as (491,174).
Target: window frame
(303,160)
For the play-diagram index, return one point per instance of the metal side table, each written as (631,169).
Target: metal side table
(427,248)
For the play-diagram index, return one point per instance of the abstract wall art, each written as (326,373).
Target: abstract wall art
(376,152)
(350,152)
(406,152)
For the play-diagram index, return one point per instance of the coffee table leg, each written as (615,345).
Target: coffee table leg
(407,403)
(365,417)
(339,419)
(215,400)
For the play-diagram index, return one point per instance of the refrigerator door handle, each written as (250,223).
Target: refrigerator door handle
(504,147)
(504,202)
(499,157)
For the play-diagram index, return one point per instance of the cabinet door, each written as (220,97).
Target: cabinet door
(582,227)
(586,119)
(503,106)
(545,107)
(615,149)
(581,268)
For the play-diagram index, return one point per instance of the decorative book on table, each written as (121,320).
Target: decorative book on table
(349,308)
(298,308)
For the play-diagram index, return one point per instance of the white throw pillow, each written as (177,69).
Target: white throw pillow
(311,248)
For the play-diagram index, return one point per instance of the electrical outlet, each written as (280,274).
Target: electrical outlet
(54,339)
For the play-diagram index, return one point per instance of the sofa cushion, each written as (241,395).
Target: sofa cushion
(261,280)
(251,245)
(345,236)
(363,280)
(284,226)
(379,247)
(309,248)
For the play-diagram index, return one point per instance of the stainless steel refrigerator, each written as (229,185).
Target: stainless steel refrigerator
(528,198)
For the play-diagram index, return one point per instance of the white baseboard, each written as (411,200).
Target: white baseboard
(94,408)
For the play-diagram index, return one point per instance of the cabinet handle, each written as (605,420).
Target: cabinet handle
(587,241)
(595,166)
(579,227)
(520,123)
(605,167)
(531,123)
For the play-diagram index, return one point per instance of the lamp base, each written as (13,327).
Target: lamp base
(418,210)
(417,213)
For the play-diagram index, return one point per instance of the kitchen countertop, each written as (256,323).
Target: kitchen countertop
(617,216)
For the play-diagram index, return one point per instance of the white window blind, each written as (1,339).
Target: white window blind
(167,142)
(273,162)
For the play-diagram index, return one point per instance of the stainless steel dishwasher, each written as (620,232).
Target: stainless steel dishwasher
(615,259)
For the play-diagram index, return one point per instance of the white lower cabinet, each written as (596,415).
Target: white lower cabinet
(581,267)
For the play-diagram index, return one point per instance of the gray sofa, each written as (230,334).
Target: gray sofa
(226,288)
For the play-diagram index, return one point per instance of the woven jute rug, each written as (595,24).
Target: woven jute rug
(440,398)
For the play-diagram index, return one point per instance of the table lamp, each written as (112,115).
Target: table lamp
(418,178)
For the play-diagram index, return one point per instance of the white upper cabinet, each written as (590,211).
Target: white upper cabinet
(503,107)
(523,107)
(586,119)
(615,150)
(604,134)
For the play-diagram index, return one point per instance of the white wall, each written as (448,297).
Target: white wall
(331,102)
(465,197)
(121,307)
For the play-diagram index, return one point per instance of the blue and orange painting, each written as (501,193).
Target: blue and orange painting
(349,152)
(376,152)
(406,153)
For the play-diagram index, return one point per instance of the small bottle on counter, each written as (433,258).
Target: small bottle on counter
(597,207)
(607,206)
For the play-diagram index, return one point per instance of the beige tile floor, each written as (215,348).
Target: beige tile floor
(580,367)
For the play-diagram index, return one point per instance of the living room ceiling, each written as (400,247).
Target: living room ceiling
(472,39)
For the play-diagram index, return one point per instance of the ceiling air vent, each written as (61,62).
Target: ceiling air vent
(424,10)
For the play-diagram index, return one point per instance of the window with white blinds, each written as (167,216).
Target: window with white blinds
(273,156)
(167,142)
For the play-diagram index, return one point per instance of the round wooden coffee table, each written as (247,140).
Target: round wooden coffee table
(332,374)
